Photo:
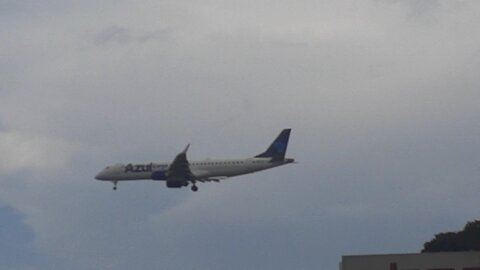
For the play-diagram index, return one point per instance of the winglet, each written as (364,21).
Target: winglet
(185,150)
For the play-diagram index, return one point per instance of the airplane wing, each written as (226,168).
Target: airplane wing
(179,170)
(211,179)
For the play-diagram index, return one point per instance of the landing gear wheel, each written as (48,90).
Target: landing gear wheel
(114,185)
(194,188)
(114,188)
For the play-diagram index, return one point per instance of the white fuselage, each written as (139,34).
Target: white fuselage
(203,169)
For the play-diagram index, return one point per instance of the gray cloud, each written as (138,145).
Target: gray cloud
(383,106)
(121,35)
(113,34)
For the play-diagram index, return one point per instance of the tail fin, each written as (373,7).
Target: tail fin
(278,148)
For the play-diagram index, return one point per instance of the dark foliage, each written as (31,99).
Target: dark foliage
(466,240)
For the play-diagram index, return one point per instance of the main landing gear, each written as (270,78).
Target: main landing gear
(114,185)
(194,187)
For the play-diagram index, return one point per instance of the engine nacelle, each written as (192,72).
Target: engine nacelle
(176,184)
(159,175)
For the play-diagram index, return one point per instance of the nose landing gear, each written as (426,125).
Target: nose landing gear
(114,185)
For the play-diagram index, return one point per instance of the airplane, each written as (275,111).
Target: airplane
(181,172)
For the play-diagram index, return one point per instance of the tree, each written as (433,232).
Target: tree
(466,240)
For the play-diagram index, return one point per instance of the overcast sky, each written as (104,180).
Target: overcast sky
(382,98)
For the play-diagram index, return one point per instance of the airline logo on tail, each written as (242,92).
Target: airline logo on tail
(278,148)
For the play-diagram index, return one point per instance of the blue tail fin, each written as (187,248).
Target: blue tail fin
(278,148)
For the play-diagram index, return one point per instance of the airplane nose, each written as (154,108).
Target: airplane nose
(100,176)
